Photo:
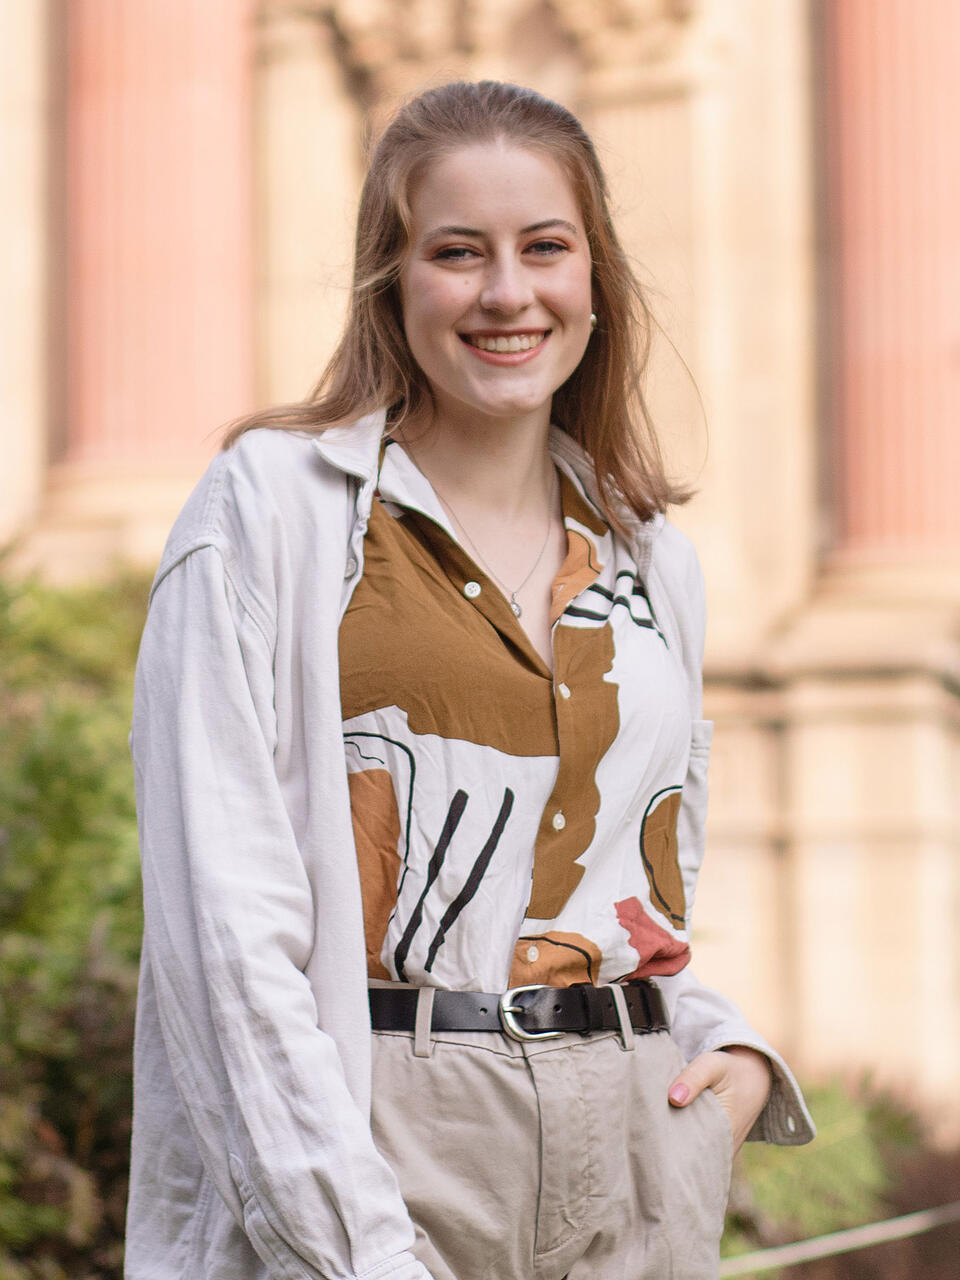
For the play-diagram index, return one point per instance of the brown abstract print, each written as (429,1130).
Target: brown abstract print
(404,637)
(555,959)
(658,849)
(376,832)
(583,656)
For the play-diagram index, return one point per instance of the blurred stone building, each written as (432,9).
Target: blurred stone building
(179,179)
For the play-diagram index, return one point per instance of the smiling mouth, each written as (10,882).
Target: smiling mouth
(505,343)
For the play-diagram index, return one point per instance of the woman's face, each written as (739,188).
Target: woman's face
(496,289)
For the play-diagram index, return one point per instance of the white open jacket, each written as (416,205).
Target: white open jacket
(252,1154)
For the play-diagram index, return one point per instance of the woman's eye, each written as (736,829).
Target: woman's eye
(547,247)
(455,253)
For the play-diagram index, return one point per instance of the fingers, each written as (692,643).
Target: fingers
(740,1077)
(706,1071)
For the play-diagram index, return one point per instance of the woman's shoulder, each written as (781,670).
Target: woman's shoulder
(262,472)
(270,488)
(678,586)
(675,557)
(271,471)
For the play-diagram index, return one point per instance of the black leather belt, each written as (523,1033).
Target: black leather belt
(524,1013)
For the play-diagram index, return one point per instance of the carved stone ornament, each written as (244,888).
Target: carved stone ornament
(391,47)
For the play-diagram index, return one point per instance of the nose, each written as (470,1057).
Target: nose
(506,286)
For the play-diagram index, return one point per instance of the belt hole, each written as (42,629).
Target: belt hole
(483,1010)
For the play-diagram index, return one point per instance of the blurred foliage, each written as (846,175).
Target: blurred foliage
(871,1160)
(69,925)
(839,1180)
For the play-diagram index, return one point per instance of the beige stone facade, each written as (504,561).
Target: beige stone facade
(182,180)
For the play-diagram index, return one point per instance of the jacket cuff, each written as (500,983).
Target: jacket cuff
(785,1118)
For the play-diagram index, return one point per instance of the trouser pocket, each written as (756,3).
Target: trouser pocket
(697,1186)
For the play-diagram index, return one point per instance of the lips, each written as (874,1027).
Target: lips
(505,343)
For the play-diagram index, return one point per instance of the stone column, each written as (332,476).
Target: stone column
(24,271)
(307,157)
(159,258)
(893,182)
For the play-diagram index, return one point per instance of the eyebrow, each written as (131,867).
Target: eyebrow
(524,231)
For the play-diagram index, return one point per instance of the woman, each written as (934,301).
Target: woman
(418,706)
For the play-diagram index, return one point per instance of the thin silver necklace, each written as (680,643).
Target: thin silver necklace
(513,602)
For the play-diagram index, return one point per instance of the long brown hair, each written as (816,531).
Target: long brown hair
(601,405)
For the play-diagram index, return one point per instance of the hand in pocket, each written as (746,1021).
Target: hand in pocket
(739,1076)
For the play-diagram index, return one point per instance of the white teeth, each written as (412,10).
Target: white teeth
(516,342)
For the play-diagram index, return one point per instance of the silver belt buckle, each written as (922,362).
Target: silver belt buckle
(507,1011)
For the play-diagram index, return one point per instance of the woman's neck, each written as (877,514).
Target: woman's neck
(501,467)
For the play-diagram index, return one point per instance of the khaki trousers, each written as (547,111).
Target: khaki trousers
(552,1158)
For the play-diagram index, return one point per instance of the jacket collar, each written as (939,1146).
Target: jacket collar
(355,448)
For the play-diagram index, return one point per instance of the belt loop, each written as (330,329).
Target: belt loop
(422,1043)
(627,1037)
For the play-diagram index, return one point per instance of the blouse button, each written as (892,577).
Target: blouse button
(533,953)
(471,590)
(559,821)
(563,690)
(351,568)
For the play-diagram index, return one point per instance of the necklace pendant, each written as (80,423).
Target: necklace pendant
(515,607)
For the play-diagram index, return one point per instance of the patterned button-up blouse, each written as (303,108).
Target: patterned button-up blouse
(512,826)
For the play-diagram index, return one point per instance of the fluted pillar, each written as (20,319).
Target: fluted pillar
(307,157)
(24,262)
(159,254)
(893,351)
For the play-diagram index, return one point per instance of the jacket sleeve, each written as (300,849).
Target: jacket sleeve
(701,1018)
(229,922)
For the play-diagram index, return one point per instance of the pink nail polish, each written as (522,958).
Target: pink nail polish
(679,1093)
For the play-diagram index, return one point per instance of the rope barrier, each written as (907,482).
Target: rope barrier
(788,1255)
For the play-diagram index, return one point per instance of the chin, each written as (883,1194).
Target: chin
(512,406)
(508,412)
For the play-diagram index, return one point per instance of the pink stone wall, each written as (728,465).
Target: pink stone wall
(159,255)
(893,116)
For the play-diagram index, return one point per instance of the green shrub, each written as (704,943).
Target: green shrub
(848,1176)
(69,925)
